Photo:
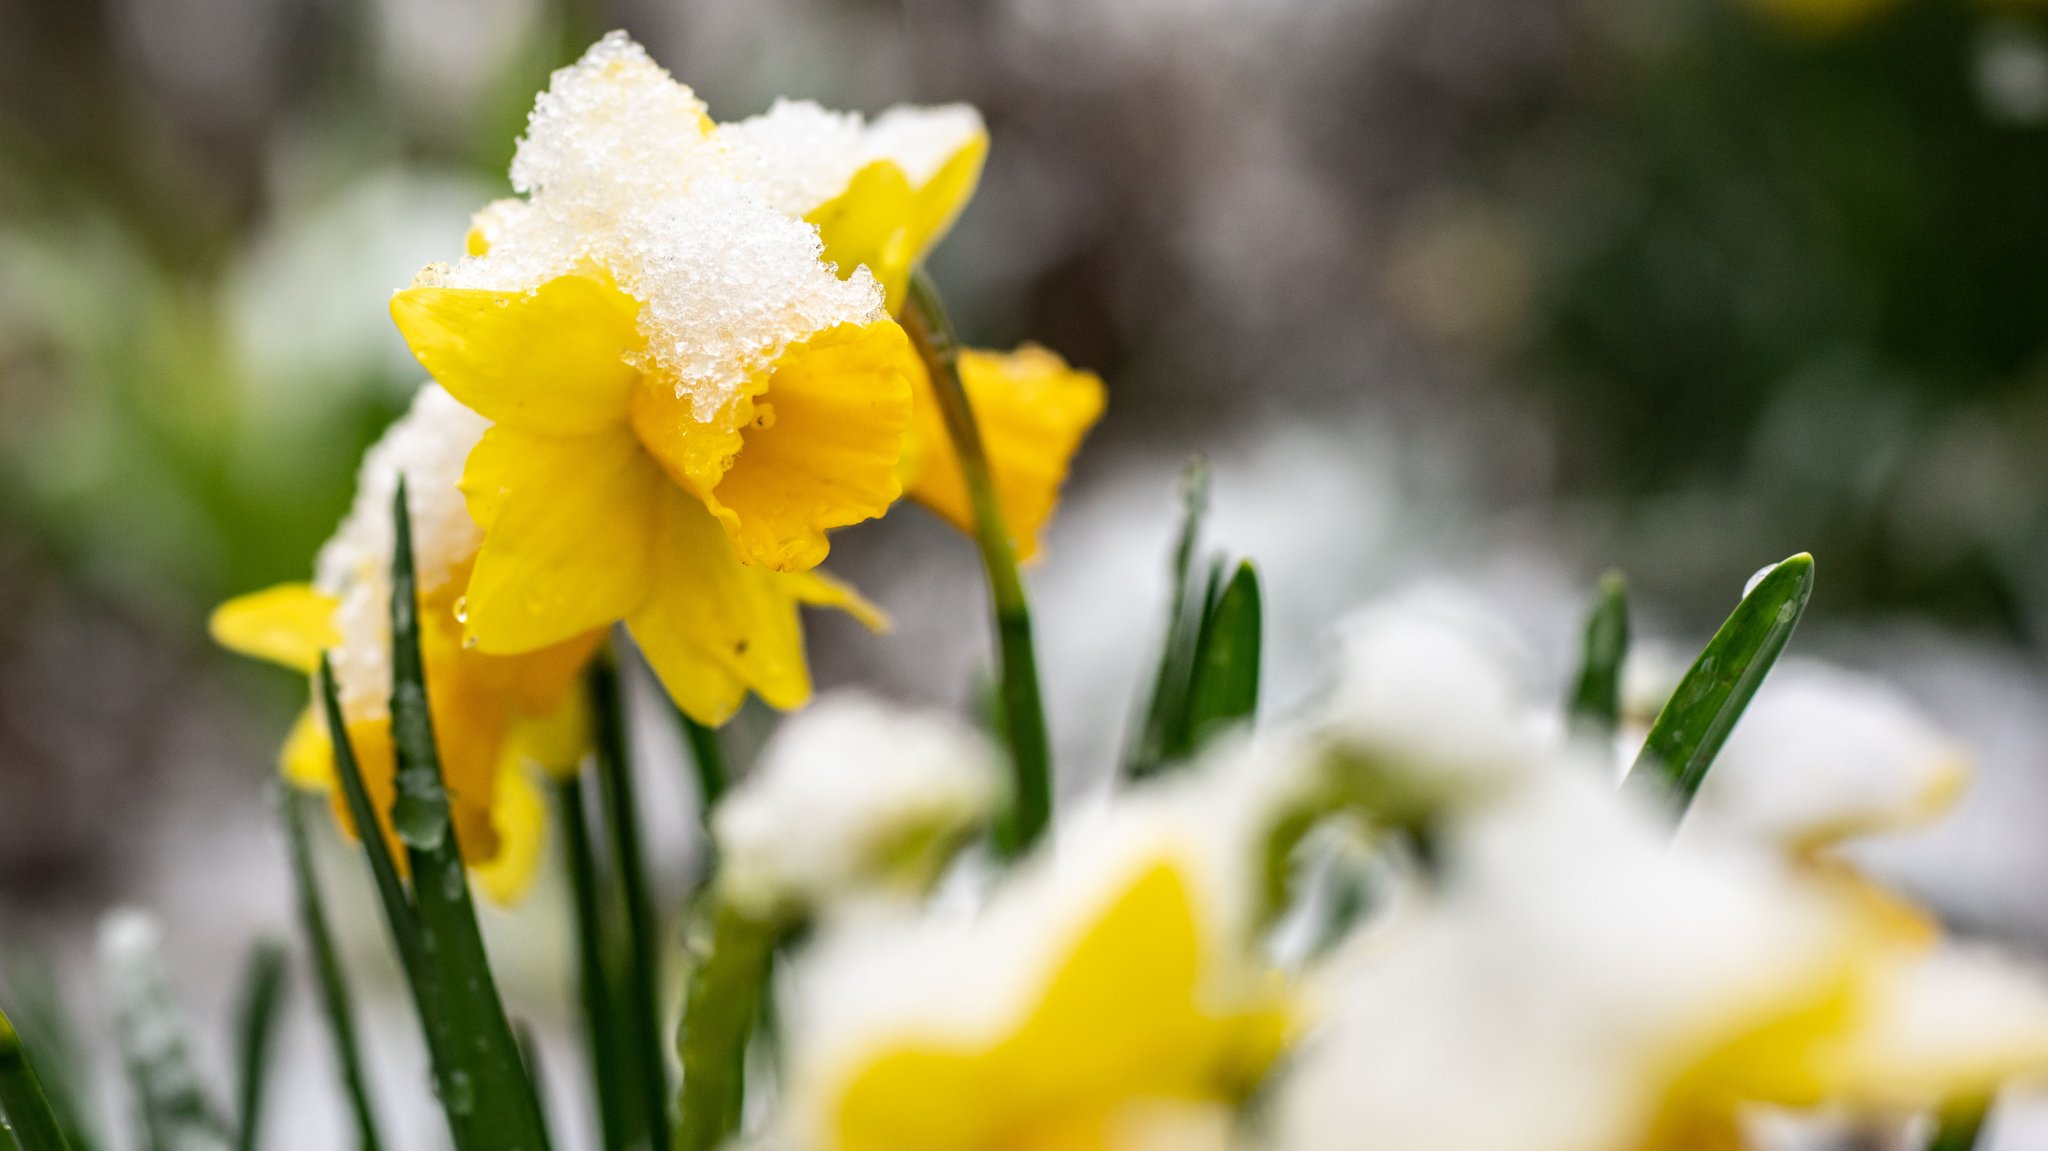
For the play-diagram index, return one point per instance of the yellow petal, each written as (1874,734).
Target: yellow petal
(1126,1018)
(550,360)
(713,628)
(556,741)
(819,448)
(1033,411)
(566,543)
(538,682)
(290,625)
(883,223)
(816,589)
(307,759)
(520,819)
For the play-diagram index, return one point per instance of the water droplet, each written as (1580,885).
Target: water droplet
(458,1094)
(421,821)
(462,609)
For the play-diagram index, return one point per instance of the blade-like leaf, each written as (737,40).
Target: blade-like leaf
(478,1072)
(263,985)
(1960,1127)
(722,1005)
(336,1001)
(1595,705)
(1164,713)
(640,1009)
(1695,723)
(150,1031)
(1224,686)
(47,1029)
(23,1106)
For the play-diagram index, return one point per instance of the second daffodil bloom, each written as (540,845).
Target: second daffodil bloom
(493,715)
(881,193)
(1098,1000)
(684,398)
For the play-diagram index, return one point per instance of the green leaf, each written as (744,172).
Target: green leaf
(23,1106)
(263,984)
(336,1000)
(151,1034)
(46,1028)
(622,1111)
(640,1005)
(1223,688)
(1696,721)
(724,1001)
(1960,1127)
(479,1075)
(1164,715)
(1595,706)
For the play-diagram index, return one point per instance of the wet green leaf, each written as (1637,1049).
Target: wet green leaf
(263,985)
(1696,721)
(1223,687)
(1595,706)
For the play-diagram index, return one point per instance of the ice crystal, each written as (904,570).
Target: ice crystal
(624,176)
(428,446)
(805,155)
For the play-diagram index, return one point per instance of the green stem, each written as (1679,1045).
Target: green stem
(707,756)
(643,932)
(725,994)
(335,996)
(23,1106)
(620,1108)
(1960,1126)
(931,330)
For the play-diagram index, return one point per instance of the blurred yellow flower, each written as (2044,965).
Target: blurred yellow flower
(684,398)
(494,716)
(1082,1010)
(882,194)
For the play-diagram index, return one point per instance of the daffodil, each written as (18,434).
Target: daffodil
(1092,999)
(882,193)
(852,797)
(494,716)
(683,397)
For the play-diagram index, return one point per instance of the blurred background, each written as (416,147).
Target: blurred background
(1499,292)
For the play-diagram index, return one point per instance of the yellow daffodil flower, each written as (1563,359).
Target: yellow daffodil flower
(684,398)
(494,716)
(1085,1001)
(882,194)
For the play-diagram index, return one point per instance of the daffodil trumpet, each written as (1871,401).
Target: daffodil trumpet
(931,331)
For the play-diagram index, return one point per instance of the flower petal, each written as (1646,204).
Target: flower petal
(1033,411)
(885,222)
(552,360)
(519,820)
(816,589)
(819,447)
(567,546)
(289,624)
(712,627)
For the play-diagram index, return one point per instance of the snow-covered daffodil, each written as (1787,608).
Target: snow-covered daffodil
(881,193)
(1090,995)
(494,716)
(684,398)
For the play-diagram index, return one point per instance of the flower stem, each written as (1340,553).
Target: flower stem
(621,1111)
(1023,711)
(726,988)
(622,821)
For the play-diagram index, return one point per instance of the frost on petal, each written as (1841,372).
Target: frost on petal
(427,446)
(1822,754)
(806,155)
(622,174)
(853,793)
